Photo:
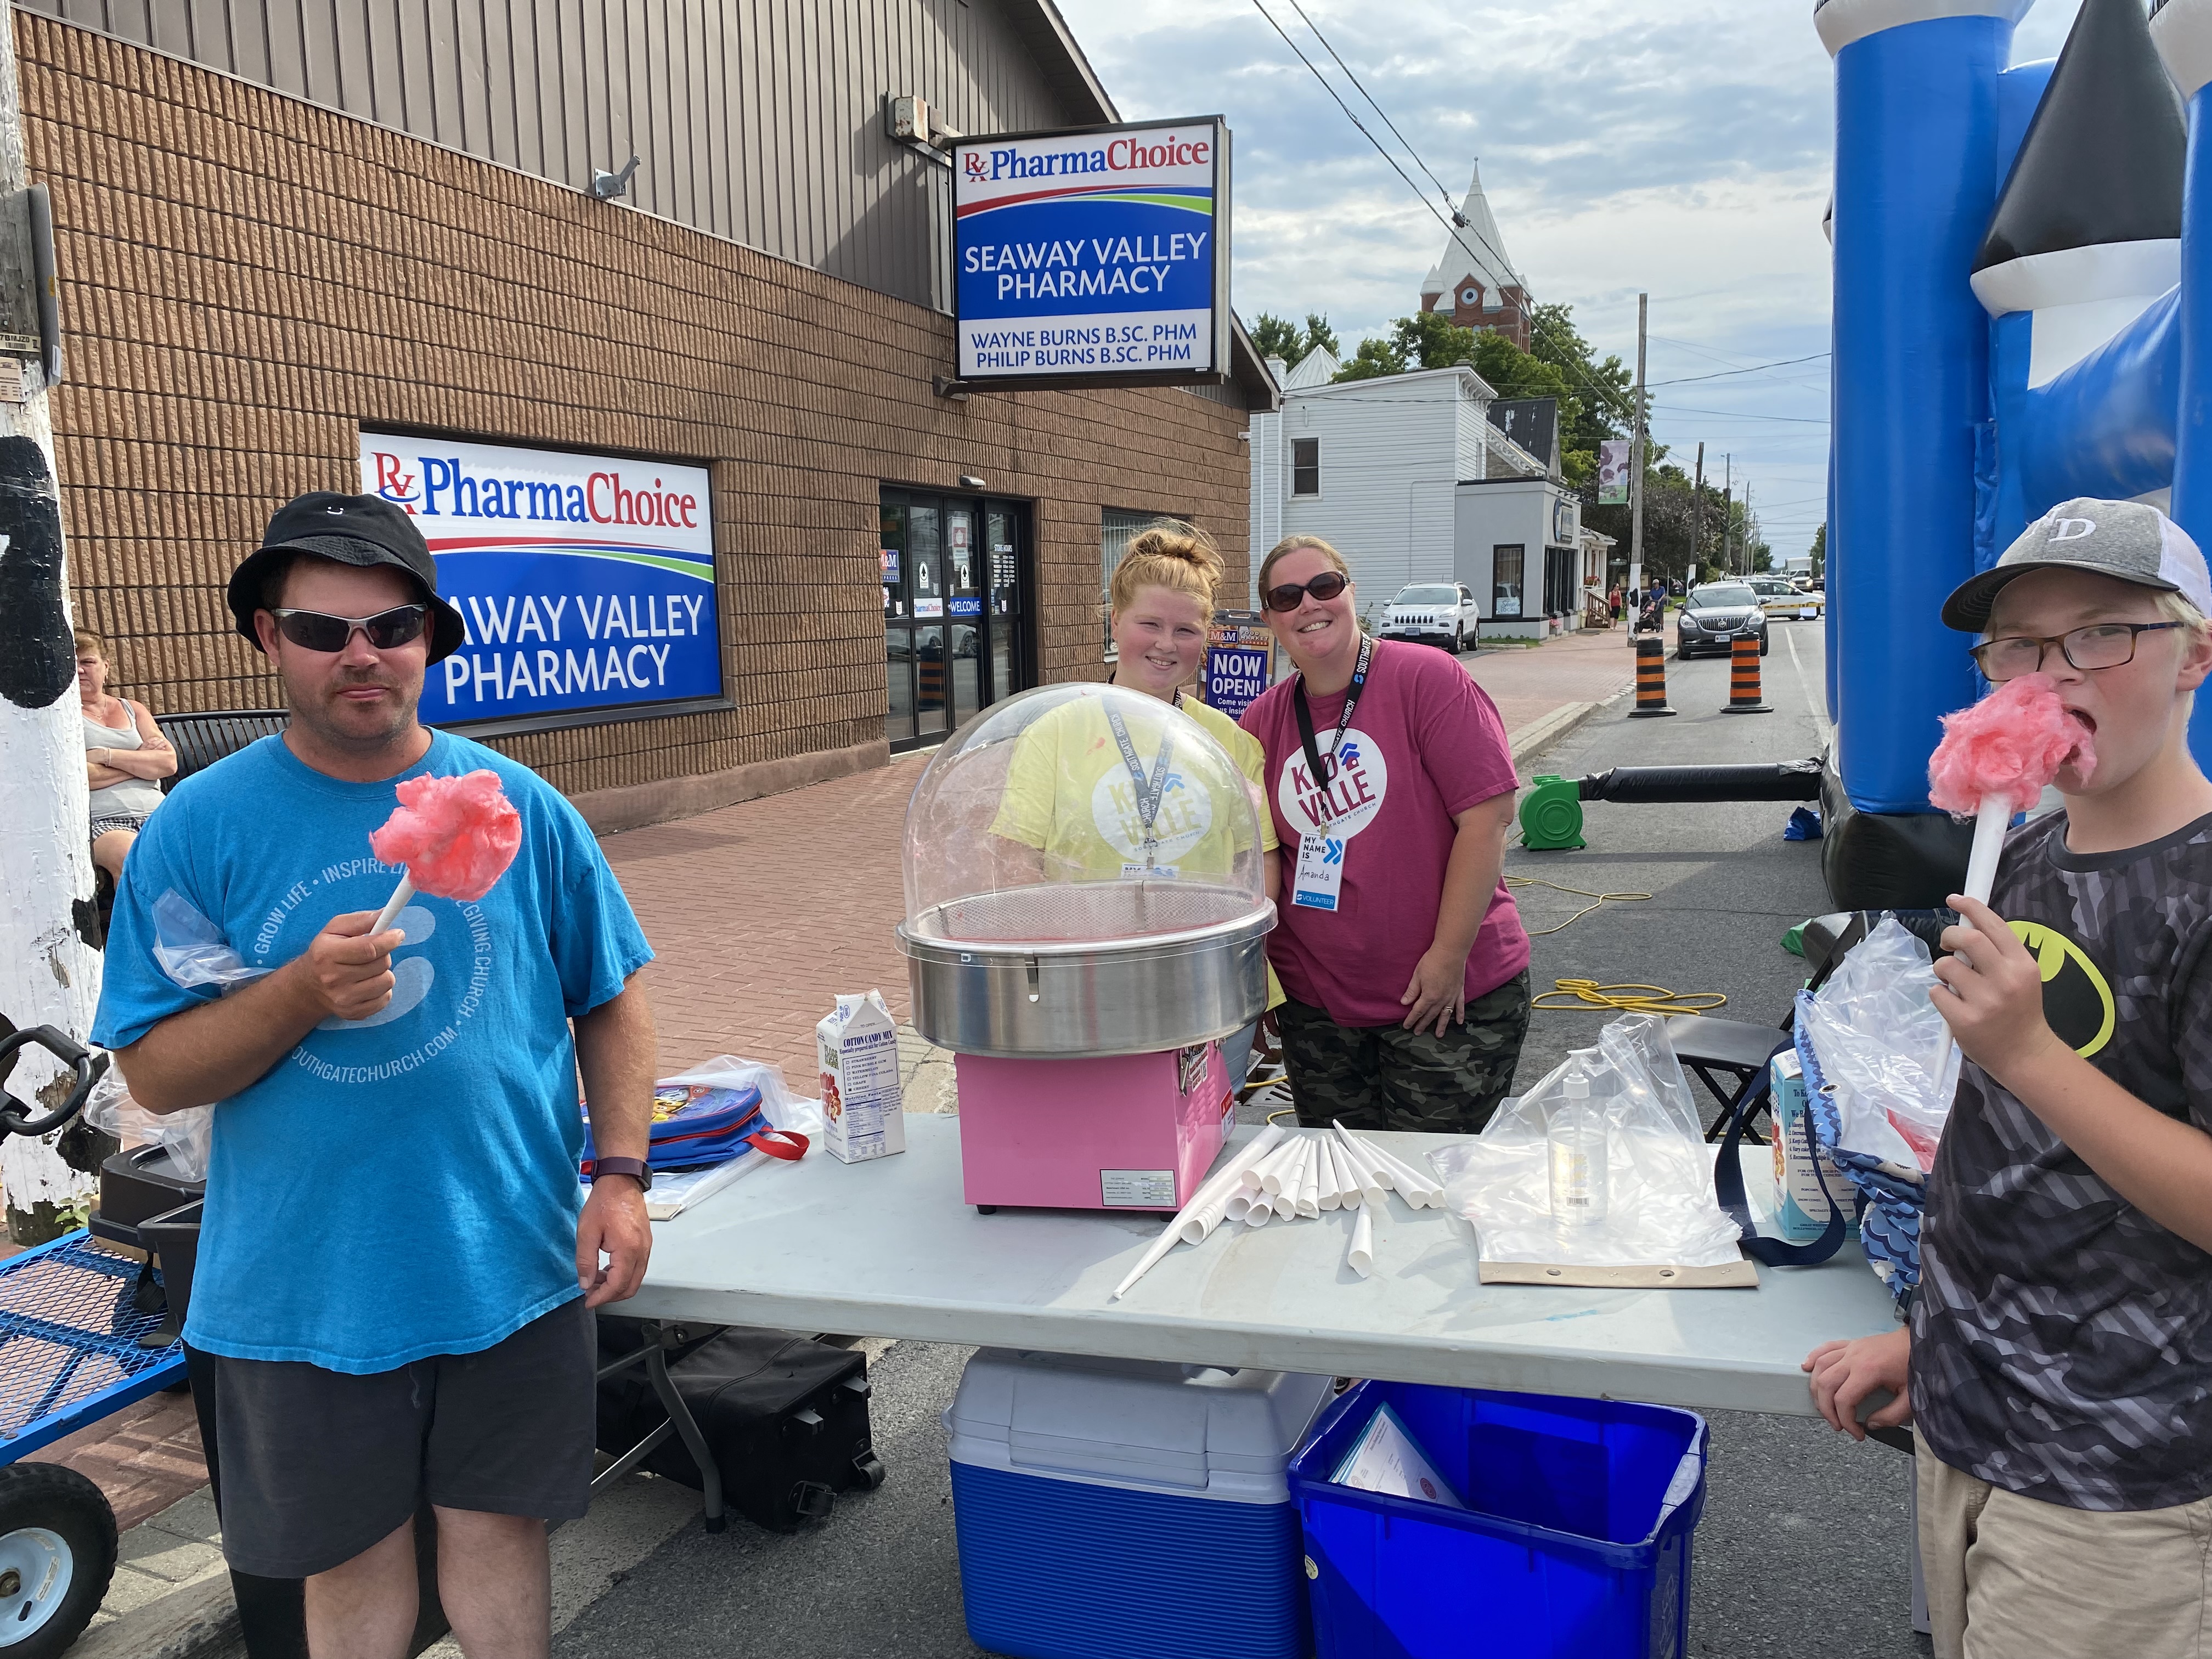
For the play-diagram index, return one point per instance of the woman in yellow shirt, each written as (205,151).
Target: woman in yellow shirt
(1071,790)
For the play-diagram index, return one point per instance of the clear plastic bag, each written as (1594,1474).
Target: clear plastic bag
(1878,1037)
(1659,1209)
(192,949)
(186,1136)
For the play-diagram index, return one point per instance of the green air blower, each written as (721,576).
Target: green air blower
(1551,815)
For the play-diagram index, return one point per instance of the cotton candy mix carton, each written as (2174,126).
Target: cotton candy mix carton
(857,1046)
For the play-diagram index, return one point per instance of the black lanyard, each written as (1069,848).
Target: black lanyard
(1149,794)
(1322,776)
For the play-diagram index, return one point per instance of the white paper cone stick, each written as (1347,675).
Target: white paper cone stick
(1419,1190)
(1360,1257)
(1215,1189)
(1254,1175)
(1990,821)
(1309,1198)
(1239,1201)
(393,905)
(1990,825)
(1328,1195)
(1281,1171)
(1370,1179)
(1348,1193)
(1261,1212)
(1286,1201)
(1210,1203)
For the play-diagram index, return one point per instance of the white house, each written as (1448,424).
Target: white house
(1410,477)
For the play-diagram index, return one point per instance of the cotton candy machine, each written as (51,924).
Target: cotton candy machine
(1086,917)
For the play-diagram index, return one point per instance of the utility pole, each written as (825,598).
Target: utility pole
(1698,511)
(1636,458)
(49,968)
(1747,554)
(1727,515)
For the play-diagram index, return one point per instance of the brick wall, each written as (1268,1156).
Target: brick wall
(248,279)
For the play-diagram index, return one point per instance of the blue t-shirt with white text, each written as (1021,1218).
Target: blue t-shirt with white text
(402,1185)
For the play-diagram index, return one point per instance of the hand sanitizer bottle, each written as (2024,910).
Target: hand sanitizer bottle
(1574,1138)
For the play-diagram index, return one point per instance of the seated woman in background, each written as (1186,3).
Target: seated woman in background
(123,753)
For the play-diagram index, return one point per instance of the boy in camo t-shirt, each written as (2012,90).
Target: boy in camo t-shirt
(2058,1367)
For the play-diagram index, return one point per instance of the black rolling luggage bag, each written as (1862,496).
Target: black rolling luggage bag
(785,1416)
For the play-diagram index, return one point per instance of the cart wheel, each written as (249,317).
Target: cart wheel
(868,1471)
(57,1555)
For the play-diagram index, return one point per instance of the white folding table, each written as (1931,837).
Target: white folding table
(888,1249)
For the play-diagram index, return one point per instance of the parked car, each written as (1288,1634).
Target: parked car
(1717,614)
(1778,597)
(1437,613)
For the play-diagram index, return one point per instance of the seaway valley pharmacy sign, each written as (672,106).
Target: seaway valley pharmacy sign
(1094,256)
(588,582)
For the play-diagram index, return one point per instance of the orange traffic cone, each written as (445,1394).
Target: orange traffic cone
(1744,696)
(1650,680)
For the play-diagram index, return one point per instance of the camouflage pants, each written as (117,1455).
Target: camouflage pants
(1384,1077)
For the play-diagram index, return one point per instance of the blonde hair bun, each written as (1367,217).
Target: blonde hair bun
(1171,553)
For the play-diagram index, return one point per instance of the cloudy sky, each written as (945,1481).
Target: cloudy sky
(1682,150)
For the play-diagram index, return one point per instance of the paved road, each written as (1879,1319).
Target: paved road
(1803,1548)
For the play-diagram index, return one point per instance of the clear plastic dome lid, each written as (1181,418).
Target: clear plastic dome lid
(1081,813)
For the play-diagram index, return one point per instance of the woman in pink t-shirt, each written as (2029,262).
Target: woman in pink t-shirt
(1400,950)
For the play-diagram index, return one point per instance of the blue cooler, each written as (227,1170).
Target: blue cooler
(1128,1507)
(1575,1543)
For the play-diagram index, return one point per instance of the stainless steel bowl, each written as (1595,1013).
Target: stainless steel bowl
(1097,968)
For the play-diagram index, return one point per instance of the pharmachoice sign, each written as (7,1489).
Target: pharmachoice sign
(588,582)
(1098,255)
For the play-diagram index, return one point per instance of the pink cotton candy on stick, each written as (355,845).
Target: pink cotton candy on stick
(456,836)
(2010,743)
(1996,759)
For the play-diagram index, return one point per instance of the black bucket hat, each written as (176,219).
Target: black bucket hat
(356,530)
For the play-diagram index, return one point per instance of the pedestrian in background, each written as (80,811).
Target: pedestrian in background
(124,753)
(1402,957)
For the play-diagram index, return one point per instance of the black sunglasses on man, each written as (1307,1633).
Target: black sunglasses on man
(318,630)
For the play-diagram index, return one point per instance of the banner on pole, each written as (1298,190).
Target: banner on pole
(1614,462)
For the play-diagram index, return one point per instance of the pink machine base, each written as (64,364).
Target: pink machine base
(1119,1133)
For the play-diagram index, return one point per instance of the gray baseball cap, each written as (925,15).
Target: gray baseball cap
(2130,541)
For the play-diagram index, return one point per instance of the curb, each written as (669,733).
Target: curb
(1534,739)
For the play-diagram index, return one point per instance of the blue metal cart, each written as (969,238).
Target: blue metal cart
(81,1335)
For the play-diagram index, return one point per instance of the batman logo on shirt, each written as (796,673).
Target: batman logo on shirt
(2077,1000)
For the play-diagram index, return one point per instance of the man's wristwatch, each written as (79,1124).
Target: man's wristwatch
(636,1168)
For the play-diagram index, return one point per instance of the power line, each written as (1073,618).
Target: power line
(1685,379)
(1606,395)
(1377,108)
(1741,415)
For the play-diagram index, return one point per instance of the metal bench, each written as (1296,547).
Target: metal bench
(201,740)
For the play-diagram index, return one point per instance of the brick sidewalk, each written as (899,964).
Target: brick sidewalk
(763,911)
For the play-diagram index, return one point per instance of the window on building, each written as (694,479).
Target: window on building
(1118,528)
(1305,466)
(1506,562)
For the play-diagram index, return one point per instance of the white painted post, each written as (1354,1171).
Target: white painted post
(48,971)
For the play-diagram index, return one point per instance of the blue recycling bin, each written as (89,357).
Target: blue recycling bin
(1575,1543)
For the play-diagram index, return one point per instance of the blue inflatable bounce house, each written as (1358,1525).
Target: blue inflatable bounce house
(2023,314)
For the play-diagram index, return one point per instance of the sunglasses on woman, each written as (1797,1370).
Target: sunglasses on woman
(318,630)
(1290,595)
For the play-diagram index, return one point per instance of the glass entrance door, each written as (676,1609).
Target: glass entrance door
(956,611)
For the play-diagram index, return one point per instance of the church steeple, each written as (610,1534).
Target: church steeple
(1474,281)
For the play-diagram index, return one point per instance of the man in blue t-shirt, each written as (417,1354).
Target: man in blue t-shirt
(394,1279)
